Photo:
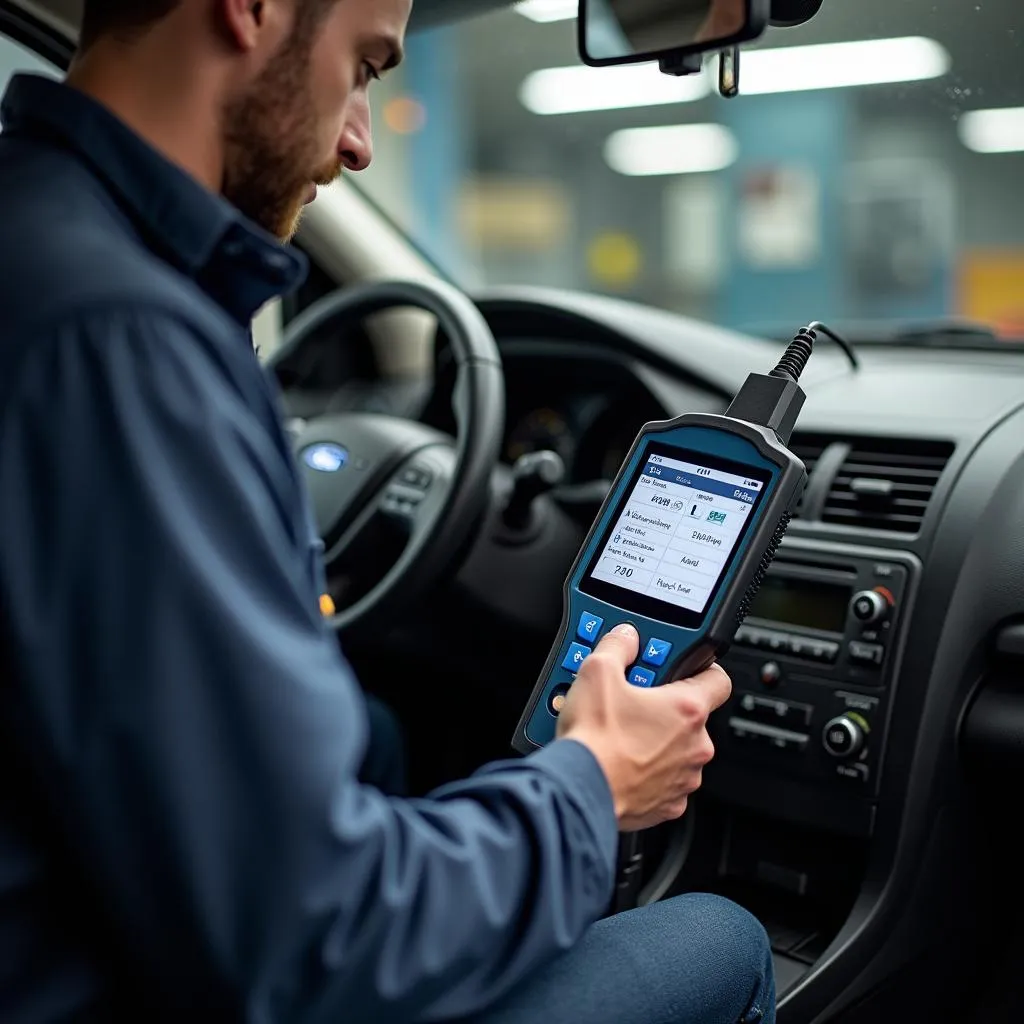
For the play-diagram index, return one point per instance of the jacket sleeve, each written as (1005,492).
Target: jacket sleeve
(198,733)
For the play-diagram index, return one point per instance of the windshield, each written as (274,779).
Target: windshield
(873,173)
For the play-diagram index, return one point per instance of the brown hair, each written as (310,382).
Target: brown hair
(104,17)
(124,17)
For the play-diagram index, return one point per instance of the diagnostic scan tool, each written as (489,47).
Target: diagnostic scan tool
(682,541)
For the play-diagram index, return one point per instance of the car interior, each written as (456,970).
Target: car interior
(547,255)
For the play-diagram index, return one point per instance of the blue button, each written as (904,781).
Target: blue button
(574,657)
(641,676)
(589,626)
(656,651)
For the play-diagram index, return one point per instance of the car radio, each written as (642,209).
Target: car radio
(812,665)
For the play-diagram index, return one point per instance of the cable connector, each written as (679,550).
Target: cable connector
(769,400)
(775,399)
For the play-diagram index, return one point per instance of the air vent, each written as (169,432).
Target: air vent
(808,448)
(886,484)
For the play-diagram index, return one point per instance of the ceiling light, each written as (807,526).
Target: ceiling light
(573,89)
(840,65)
(671,149)
(548,10)
(993,131)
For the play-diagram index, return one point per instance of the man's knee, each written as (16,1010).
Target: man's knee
(738,935)
(731,951)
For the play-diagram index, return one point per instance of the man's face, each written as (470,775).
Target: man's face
(306,117)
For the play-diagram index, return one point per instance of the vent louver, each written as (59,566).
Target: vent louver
(886,484)
(808,448)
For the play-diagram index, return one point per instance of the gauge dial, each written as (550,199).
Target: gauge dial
(539,430)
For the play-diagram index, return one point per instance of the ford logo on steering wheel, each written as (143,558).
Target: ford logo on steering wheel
(324,457)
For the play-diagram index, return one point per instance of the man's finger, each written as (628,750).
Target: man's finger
(713,683)
(621,644)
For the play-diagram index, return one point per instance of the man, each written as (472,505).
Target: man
(183,833)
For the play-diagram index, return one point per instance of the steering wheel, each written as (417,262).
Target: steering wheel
(380,484)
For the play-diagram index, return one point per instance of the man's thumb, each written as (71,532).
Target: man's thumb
(622,643)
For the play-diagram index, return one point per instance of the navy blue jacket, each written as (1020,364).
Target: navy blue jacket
(182,831)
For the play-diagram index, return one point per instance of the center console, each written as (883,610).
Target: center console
(812,667)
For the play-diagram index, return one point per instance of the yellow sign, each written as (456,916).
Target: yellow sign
(992,290)
(614,259)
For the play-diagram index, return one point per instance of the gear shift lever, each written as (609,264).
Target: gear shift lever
(532,475)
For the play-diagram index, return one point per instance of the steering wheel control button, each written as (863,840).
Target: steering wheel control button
(844,736)
(656,651)
(557,698)
(865,654)
(402,499)
(574,657)
(416,476)
(589,626)
(771,673)
(869,606)
(639,676)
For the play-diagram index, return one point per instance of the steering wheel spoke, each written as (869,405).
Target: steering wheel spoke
(395,500)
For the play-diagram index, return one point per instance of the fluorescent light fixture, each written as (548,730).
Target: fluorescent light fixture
(568,90)
(671,149)
(841,65)
(544,11)
(576,88)
(1000,130)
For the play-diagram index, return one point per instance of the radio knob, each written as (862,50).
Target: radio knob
(869,606)
(844,736)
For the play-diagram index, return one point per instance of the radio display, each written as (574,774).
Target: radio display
(799,602)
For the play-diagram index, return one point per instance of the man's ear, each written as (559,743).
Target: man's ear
(253,24)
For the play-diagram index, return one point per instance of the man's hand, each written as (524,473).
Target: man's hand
(652,744)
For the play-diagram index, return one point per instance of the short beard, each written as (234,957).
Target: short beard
(271,138)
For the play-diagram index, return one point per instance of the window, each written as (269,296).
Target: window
(14,58)
(869,174)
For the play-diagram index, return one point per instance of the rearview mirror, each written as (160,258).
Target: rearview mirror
(630,31)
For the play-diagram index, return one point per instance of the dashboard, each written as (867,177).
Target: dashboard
(585,410)
(873,670)
(878,672)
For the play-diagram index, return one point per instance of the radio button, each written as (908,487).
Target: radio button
(745,637)
(772,709)
(859,771)
(865,654)
(821,650)
(870,606)
(844,736)
(767,735)
(799,647)
(770,673)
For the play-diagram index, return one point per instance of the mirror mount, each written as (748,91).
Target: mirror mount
(682,62)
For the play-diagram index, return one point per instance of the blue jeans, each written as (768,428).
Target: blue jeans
(694,959)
